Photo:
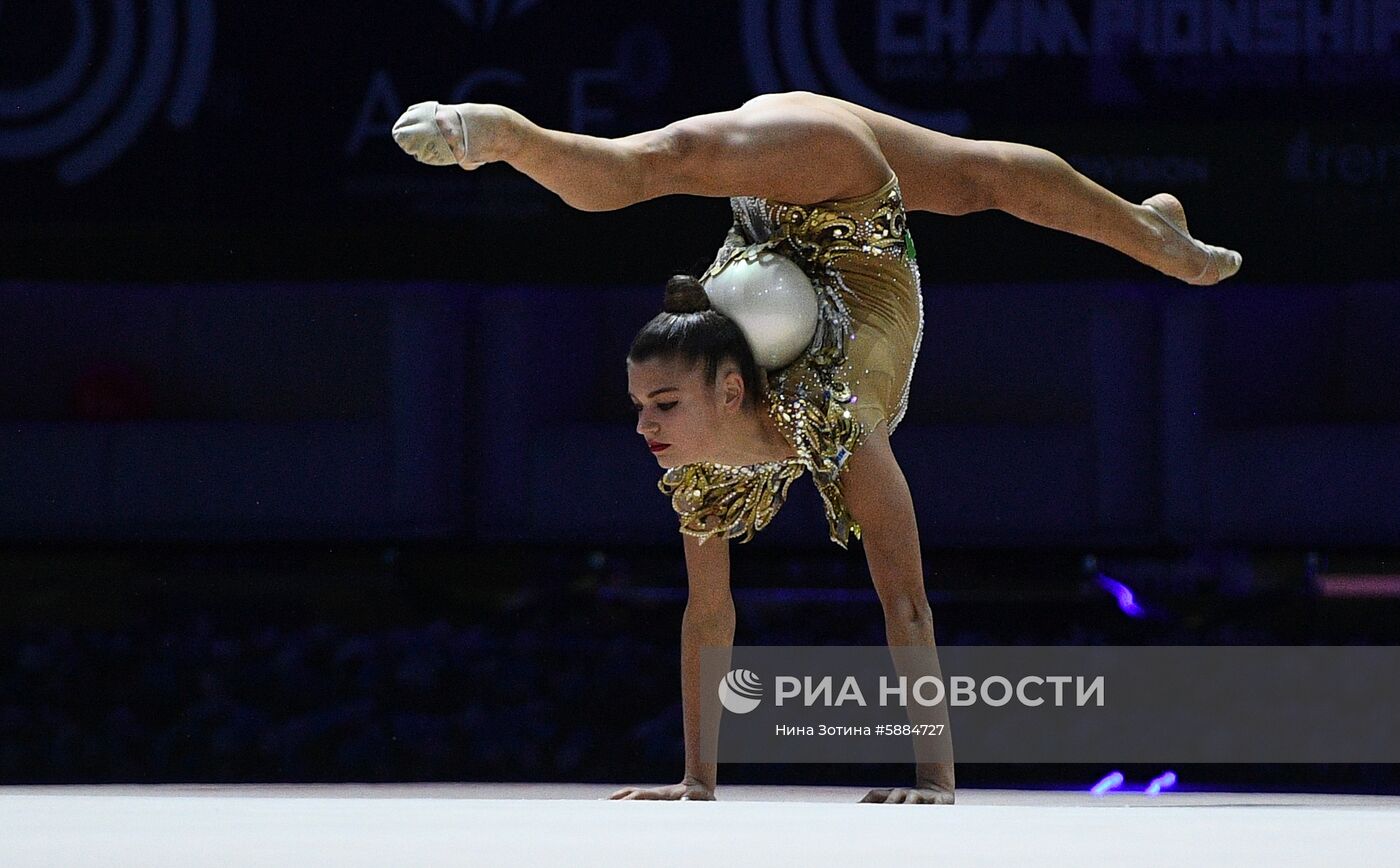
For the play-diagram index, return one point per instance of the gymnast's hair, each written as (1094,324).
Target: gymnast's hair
(689,330)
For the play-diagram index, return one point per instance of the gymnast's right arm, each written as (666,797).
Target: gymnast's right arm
(708,622)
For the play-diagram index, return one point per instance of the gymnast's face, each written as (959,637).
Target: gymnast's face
(682,416)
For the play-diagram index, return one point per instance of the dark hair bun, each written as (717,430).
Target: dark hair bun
(685,294)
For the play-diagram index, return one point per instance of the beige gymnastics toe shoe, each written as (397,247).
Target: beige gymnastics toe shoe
(443,135)
(1220,262)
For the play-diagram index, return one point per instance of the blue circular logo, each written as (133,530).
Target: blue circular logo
(125,60)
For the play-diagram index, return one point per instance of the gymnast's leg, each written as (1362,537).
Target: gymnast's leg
(951,175)
(785,151)
(803,147)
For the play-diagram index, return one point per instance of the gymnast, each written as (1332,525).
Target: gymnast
(736,402)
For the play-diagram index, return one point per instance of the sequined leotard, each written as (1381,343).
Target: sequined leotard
(855,373)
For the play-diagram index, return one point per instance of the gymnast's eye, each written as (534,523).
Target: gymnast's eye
(663,407)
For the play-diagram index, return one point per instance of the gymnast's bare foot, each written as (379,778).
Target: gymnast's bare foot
(479,133)
(685,791)
(1190,260)
(909,796)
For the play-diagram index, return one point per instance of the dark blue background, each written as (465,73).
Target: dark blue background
(243,337)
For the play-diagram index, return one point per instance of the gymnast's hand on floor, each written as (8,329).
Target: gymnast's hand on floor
(685,791)
(910,796)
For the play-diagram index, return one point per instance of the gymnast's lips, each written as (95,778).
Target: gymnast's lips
(657,447)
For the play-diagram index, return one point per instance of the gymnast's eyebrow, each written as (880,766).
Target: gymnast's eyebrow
(654,392)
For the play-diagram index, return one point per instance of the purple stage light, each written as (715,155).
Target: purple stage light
(1123,594)
(1109,782)
(1161,782)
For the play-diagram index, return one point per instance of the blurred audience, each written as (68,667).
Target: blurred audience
(568,684)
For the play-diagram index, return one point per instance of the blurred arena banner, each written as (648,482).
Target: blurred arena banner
(173,139)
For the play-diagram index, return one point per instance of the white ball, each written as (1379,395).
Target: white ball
(772,301)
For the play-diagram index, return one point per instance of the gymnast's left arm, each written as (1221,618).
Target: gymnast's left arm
(878,498)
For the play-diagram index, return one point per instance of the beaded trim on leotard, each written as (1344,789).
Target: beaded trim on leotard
(810,400)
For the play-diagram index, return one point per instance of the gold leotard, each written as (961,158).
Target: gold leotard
(853,375)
